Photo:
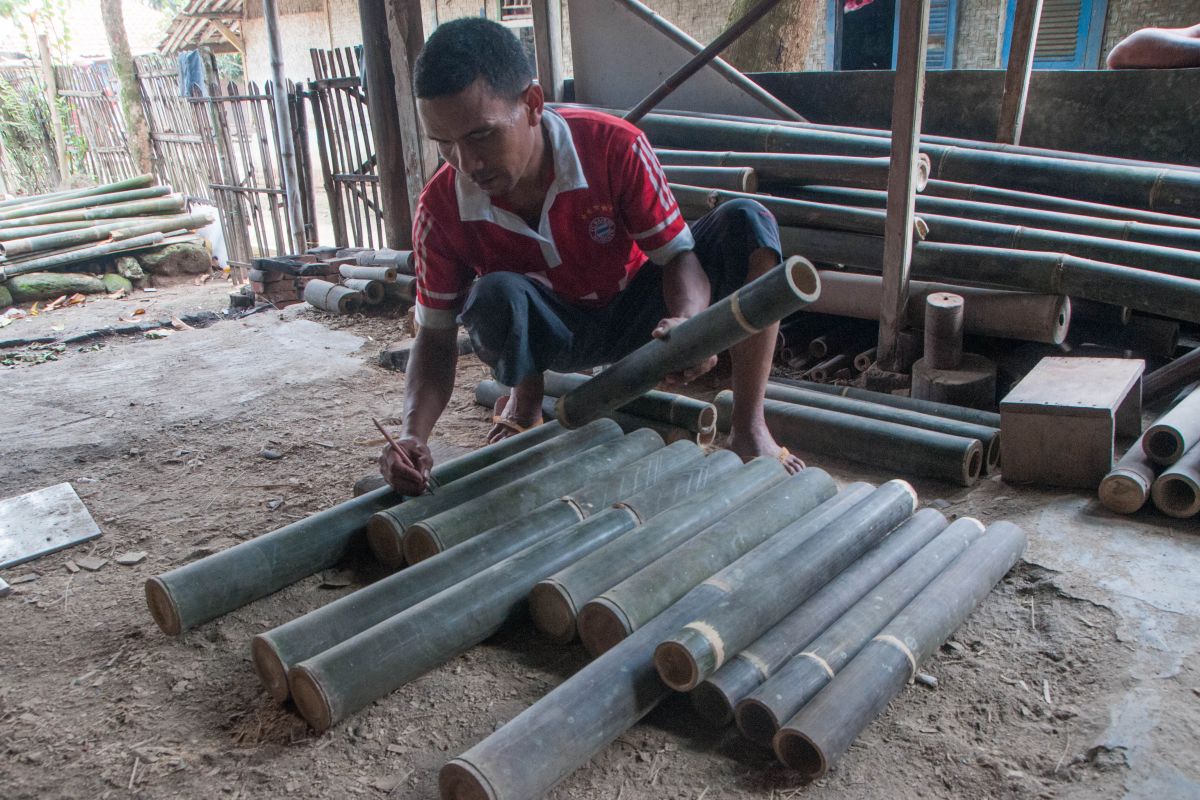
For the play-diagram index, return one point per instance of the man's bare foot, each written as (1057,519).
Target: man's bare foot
(509,420)
(758,441)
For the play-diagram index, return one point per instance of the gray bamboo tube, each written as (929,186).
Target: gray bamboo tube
(795,570)
(171,204)
(1169,379)
(1100,313)
(278,650)
(738,179)
(763,712)
(356,272)
(988,419)
(555,601)
(206,589)
(385,530)
(987,435)
(332,297)
(1175,432)
(453,526)
(371,291)
(1176,492)
(608,618)
(864,360)
(824,370)
(824,729)
(793,169)
(1148,336)
(1004,268)
(400,260)
(716,697)
(666,407)
(943,330)
(883,445)
(759,304)
(1127,487)
(403,288)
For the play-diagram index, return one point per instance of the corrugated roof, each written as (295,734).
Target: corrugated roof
(200,23)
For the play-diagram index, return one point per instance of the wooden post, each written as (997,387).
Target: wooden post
(385,126)
(137,128)
(283,131)
(1020,63)
(406,37)
(908,102)
(60,168)
(547,37)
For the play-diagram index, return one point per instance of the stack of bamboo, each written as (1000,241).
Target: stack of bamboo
(44,234)
(343,281)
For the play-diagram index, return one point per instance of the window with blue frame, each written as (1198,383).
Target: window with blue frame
(864,34)
(1070,34)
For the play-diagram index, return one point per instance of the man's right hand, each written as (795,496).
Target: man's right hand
(407,470)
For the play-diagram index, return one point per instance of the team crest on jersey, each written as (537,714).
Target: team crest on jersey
(602,229)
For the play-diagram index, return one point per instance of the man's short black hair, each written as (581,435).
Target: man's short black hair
(464,50)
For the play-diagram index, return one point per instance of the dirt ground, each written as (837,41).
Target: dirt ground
(165,440)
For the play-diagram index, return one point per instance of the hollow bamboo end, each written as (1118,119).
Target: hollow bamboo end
(162,607)
(270,668)
(1163,445)
(1062,321)
(676,666)
(460,780)
(802,278)
(800,753)
(553,611)
(420,543)
(1176,496)
(310,699)
(756,721)
(991,454)
(924,167)
(386,539)
(1123,492)
(973,463)
(707,418)
(602,626)
(711,703)
(749,180)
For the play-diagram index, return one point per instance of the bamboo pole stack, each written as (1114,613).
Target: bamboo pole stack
(1162,466)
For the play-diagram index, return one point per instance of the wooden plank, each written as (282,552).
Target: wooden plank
(1076,386)
(1020,65)
(406,38)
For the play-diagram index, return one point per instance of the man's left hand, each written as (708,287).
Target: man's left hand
(663,331)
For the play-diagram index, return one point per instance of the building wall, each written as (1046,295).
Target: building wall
(980,34)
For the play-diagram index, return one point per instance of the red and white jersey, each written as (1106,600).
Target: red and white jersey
(608,209)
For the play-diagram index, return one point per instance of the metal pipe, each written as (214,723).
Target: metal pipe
(279,649)
(355,272)
(883,445)
(761,714)
(666,407)
(385,530)
(824,729)
(988,419)
(715,698)
(626,606)
(1171,378)
(1176,491)
(171,204)
(332,297)
(206,589)
(738,179)
(555,601)
(1175,432)
(453,526)
(1127,487)
(372,292)
(92,201)
(796,562)
(764,301)
(795,169)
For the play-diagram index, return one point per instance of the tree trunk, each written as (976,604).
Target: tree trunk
(790,38)
(137,130)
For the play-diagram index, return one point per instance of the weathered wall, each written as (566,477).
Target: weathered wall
(298,33)
(980,34)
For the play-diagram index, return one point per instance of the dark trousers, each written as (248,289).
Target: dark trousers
(521,328)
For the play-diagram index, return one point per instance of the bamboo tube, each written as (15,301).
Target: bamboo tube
(824,370)
(1175,432)
(453,526)
(1021,270)
(884,445)
(403,288)
(987,435)
(355,272)
(738,179)
(824,729)
(339,681)
(385,530)
(797,564)
(171,204)
(1176,492)
(1169,379)
(613,615)
(8,234)
(124,229)
(864,360)
(555,601)
(332,297)
(1101,313)
(278,650)
(80,256)
(1127,487)
(666,407)
(206,589)
(136,182)
(763,712)
(372,292)
(988,419)
(1147,336)
(755,306)
(94,201)
(715,698)
(793,169)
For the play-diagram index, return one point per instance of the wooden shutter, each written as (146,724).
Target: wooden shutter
(1058,32)
(942,14)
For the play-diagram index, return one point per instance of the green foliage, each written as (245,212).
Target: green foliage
(229,66)
(28,141)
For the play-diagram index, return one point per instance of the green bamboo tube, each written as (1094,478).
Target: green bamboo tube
(385,530)
(988,419)
(355,272)
(988,436)
(620,610)
(115,230)
(667,407)
(453,526)
(94,201)
(555,601)
(825,728)
(738,179)
(372,292)
(206,589)
(793,169)
(763,712)
(748,310)
(1176,492)
(1127,487)
(332,297)
(276,651)
(796,571)
(8,234)
(1175,432)
(171,204)
(882,444)
(715,698)
(136,182)
(80,256)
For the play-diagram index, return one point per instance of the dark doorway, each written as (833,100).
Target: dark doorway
(868,33)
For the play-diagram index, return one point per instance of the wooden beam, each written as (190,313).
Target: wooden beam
(385,125)
(547,38)
(283,131)
(406,37)
(908,103)
(60,168)
(212,14)
(229,35)
(1020,64)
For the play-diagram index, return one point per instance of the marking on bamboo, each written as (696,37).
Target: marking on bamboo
(637,518)
(712,637)
(719,584)
(763,667)
(820,662)
(887,638)
(735,308)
